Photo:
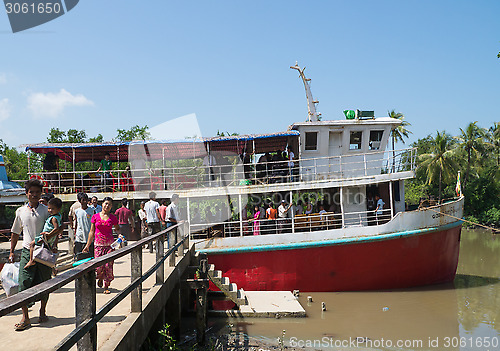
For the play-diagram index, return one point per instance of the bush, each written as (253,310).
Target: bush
(491,217)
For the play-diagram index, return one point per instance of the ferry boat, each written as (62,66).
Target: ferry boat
(338,164)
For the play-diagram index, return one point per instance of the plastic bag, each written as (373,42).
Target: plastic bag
(10,278)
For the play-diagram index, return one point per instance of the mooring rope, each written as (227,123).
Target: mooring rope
(465,220)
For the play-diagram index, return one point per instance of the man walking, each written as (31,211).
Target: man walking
(152,209)
(172,216)
(29,220)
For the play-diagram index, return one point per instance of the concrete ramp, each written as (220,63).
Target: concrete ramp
(274,304)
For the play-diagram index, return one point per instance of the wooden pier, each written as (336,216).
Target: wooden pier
(80,314)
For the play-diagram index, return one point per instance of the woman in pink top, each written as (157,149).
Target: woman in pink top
(101,234)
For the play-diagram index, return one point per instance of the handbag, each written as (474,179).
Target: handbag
(44,254)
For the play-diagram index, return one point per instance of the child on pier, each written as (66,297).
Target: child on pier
(50,229)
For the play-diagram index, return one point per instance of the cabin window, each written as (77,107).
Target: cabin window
(375,139)
(311,141)
(355,141)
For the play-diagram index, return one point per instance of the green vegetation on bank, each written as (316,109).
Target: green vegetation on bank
(475,152)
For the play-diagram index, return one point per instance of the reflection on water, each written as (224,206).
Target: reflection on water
(458,316)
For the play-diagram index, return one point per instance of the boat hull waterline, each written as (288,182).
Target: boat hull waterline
(390,261)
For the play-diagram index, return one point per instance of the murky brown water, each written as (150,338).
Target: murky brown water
(463,315)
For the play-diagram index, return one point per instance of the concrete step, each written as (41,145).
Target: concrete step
(211,268)
(225,282)
(241,297)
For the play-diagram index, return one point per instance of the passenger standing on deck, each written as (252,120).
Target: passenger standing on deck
(380,209)
(283,215)
(172,215)
(101,235)
(105,167)
(143,217)
(83,216)
(163,212)
(152,209)
(256,220)
(125,220)
(29,220)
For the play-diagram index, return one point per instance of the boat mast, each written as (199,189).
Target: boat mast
(313,115)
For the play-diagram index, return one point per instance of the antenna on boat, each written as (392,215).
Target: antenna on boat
(313,115)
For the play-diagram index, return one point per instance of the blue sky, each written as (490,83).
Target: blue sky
(111,64)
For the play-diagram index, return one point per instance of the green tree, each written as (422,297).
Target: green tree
(76,136)
(96,139)
(56,136)
(134,133)
(494,140)
(439,164)
(398,133)
(16,163)
(471,142)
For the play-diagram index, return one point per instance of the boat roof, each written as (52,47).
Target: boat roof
(167,149)
(349,122)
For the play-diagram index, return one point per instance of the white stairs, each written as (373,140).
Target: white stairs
(229,289)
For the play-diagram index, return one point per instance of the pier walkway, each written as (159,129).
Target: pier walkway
(114,329)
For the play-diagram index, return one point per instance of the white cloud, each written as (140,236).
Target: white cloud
(3,78)
(4,109)
(53,104)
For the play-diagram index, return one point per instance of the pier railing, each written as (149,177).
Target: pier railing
(175,177)
(85,333)
(296,224)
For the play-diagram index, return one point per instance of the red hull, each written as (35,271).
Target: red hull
(401,262)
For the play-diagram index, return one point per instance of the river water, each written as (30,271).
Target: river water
(463,315)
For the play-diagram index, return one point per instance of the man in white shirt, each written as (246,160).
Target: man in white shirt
(380,209)
(172,214)
(283,215)
(30,219)
(83,216)
(152,209)
(95,205)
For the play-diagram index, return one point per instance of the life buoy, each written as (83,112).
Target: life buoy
(36,176)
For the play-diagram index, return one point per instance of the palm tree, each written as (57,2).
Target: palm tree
(398,133)
(494,140)
(440,164)
(471,141)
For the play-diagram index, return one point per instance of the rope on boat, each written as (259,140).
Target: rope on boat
(465,220)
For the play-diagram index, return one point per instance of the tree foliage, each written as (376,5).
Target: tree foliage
(134,133)
(16,163)
(475,151)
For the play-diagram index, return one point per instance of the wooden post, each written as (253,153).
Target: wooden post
(201,304)
(136,272)
(173,311)
(187,232)
(85,306)
(178,235)
(160,251)
(173,241)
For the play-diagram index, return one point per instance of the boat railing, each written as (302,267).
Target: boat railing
(196,176)
(296,224)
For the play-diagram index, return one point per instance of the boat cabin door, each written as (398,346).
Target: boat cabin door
(334,152)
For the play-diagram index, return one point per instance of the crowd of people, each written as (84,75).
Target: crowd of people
(95,228)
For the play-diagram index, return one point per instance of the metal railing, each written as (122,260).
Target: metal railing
(85,333)
(298,223)
(197,176)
